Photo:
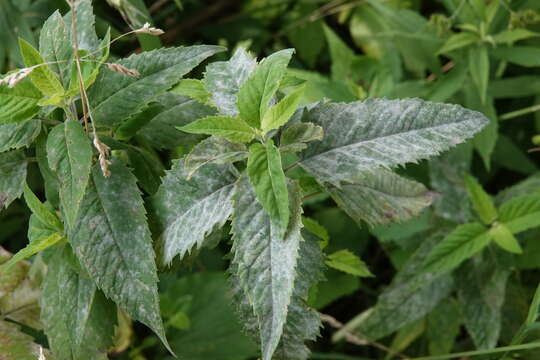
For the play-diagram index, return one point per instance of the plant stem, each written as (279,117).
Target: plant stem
(533,345)
(518,113)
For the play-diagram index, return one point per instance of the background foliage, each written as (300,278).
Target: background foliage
(479,239)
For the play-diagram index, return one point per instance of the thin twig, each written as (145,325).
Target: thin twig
(103,150)
(446,68)
(357,340)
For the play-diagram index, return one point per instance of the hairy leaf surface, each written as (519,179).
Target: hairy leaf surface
(265,266)
(114,96)
(189,210)
(15,136)
(19,103)
(377,133)
(112,241)
(214,149)
(79,321)
(224,78)
(380,196)
(12,176)
(481,289)
(70,156)
(410,296)
(16,345)
(234,129)
(462,243)
(54,44)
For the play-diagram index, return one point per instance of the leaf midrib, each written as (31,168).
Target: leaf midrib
(363,141)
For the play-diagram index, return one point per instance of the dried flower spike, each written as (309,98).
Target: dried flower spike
(123,70)
(15,78)
(146,29)
(104,153)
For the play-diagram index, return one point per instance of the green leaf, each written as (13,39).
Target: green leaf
(410,297)
(172,111)
(50,181)
(70,156)
(447,175)
(482,293)
(234,129)
(16,345)
(380,197)
(90,68)
(449,84)
(479,69)
(189,210)
(458,41)
(55,45)
(521,213)
(114,97)
(192,88)
(316,229)
(505,239)
(279,114)
(482,202)
(14,277)
(268,285)
(462,243)
(444,324)
(42,77)
(18,135)
(147,168)
(44,214)
(31,249)
(214,149)
(208,305)
(85,21)
(13,166)
(362,136)
(295,136)
(527,56)
(112,242)
(223,80)
(513,35)
(346,261)
(268,179)
(342,56)
(79,320)
(258,90)
(19,103)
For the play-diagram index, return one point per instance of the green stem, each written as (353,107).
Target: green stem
(528,346)
(518,113)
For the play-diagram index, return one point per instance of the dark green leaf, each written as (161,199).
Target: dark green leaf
(12,176)
(70,156)
(79,320)
(112,242)
(114,97)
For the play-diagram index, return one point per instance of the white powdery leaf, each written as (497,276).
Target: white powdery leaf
(380,196)
(376,133)
(265,266)
(224,78)
(189,210)
(113,243)
(303,324)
